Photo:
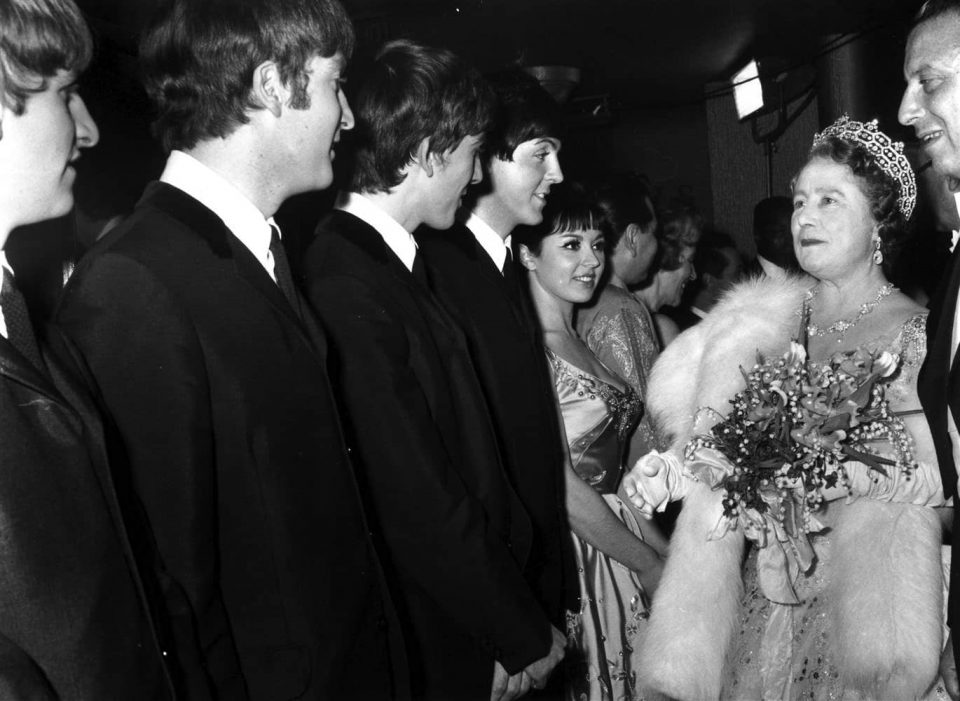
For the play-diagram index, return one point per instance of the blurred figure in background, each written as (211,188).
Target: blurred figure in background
(772,237)
(718,265)
(672,270)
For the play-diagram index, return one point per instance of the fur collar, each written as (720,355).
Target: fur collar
(698,368)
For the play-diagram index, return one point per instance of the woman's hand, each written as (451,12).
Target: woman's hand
(655,480)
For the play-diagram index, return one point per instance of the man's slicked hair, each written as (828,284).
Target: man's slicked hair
(412,93)
(198,58)
(38,38)
(525,111)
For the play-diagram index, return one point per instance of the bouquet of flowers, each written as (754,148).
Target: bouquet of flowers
(786,440)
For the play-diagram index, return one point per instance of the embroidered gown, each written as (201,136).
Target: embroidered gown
(602,635)
(619,330)
(785,652)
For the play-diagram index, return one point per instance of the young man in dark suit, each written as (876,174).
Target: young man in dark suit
(214,371)
(473,274)
(456,537)
(74,621)
(931,105)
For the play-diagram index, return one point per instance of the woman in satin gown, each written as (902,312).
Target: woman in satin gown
(564,259)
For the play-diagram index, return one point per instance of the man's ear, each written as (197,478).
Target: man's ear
(268,89)
(424,158)
(631,237)
(527,259)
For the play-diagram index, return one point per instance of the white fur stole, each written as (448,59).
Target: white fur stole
(886,591)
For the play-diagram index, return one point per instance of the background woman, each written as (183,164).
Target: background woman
(564,259)
(868,622)
(671,271)
(616,326)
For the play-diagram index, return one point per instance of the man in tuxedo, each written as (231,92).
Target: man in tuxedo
(455,536)
(74,622)
(214,371)
(931,105)
(472,272)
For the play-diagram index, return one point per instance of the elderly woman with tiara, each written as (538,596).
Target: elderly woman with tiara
(844,601)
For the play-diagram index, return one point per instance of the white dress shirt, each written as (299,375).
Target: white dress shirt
(238,214)
(400,241)
(4,265)
(489,240)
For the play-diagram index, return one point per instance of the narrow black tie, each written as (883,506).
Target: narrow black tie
(17,319)
(419,270)
(510,277)
(281,269)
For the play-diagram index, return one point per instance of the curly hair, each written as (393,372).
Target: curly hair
(38,38)
(879,188)
(669,254)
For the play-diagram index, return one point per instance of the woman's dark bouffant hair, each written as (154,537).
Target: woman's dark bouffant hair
(879,188)
(571,207)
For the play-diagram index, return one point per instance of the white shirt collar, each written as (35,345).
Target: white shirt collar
(400,241)
(489,240)
(955,234)
(238,214)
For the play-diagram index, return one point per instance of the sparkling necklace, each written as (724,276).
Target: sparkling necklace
(841,326)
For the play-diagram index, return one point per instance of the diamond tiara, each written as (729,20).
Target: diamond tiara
(888,154)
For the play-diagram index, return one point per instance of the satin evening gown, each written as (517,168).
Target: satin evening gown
(598,419)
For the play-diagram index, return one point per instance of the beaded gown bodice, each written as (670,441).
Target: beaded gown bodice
(598,418)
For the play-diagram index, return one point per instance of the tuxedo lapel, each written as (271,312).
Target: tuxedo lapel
(938,384)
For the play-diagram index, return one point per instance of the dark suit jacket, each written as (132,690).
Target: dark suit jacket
(231,439)
(456,537)
(73,615)
(939,388)
(506,347)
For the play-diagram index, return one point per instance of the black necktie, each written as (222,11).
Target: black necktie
(17,319)
(419,270)
(510,277)
(281,269)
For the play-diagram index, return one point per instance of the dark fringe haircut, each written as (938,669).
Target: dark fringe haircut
(414,92)
(197,59)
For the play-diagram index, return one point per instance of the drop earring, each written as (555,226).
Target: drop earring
(877,253)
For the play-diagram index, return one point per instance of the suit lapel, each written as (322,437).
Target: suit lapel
(488,269)
(232,251)
(16,367)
